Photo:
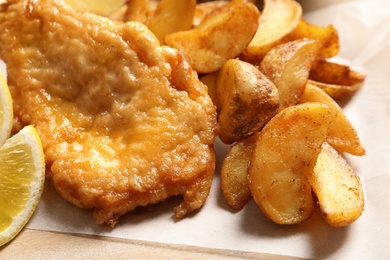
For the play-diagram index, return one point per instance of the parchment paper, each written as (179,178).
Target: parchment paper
(364,29)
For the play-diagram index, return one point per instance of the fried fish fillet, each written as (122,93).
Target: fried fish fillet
(124,121)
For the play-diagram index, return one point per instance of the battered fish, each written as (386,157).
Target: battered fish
(124,121)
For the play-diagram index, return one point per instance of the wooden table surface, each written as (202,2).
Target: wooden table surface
(37,244)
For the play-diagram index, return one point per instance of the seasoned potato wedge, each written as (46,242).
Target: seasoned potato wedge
(278,19)
(210,80)
(222,35)
(337,92)
(118,15)
(327,35)
(342,135)
(138,10)
(283,159)
(204,9)
(334,73)
(171,16)
(338,80)
(338,188)
(234,173)
(247,100)
(101,7)
(288,66)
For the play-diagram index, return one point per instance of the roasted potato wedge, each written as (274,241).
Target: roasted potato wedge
(138,10)
(288,66)
(234,173)
(327,35)
(342,135)
(338,80)
(333,73)
(337,92)
(283,159)
(222,35)
(278,19)
(247,100)
(171,16)
(210,80)
(101,7)
(118,14)
(204,9)
(338,188)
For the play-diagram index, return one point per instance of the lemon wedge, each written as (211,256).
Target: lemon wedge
(6,109)
(22,175)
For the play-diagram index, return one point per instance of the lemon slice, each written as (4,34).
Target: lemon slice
(6,109)
(22,175)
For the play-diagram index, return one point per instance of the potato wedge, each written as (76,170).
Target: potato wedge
(171,16)
(101,7)
(333,73)
(338,188)
(327,35)
(336,92)
(210,80)
(283,160)
(337,80)
(219,37)
(203,9)
(234,173)
(342,135)
(139,10)
(278,19)
(247,100)
(118,15)
(288,65)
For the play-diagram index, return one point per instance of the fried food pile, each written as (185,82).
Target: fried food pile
(124,121)
(269,73)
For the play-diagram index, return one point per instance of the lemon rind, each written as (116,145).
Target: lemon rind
(6,110)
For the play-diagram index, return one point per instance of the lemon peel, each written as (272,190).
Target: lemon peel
(6,107)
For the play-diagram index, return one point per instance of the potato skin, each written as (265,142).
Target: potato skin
(217,38)
(288,66)
(247,100)
(327,35)
(278,19)
(337,80)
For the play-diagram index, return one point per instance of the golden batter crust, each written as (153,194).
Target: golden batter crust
(124,121)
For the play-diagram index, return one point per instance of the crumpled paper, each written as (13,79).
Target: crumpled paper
(364,29)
